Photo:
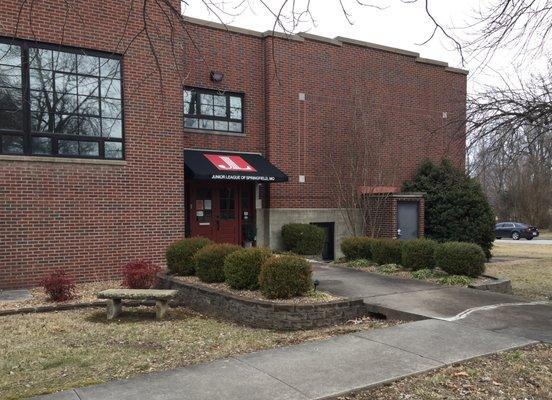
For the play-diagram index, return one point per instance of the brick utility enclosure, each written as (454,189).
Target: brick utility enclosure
(306,102)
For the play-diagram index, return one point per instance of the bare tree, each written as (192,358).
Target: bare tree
(362,183)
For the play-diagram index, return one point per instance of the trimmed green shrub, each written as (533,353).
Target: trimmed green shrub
(355,248)
(386,251)
(456,208)
(286,276)
(419,254)
(456,280)
(424,273)
(242,267)
(456,258)
(209,261)
(387,268)
(305,239)
(179,255)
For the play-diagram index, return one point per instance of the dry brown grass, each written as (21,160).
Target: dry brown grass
(48,352)
(518,374)
(528,266)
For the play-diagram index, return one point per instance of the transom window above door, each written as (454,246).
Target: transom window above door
(211,110)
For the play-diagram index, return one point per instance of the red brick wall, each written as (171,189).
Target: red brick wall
(392,94)
(91,219)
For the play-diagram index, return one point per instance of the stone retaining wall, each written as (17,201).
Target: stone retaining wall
(263,313)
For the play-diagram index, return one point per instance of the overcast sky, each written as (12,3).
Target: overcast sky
(399,25)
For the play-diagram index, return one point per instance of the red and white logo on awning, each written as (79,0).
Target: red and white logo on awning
(229,163)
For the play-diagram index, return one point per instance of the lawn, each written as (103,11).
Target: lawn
(528,266)
(43,353)
(518,374)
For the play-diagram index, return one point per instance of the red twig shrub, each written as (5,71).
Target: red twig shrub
(58,286)
(140,274)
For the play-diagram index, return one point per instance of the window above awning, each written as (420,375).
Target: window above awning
(225,166)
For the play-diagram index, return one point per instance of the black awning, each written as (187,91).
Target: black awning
(218,165)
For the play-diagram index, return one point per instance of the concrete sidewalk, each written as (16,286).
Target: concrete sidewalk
(312,370)
(415,300)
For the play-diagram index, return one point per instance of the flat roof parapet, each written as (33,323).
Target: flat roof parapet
(337,41)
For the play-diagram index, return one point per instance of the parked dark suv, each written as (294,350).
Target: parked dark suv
(515,230)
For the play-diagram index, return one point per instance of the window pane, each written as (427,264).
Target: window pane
(66,62)
(66,124)
(40,58)
(66,103)
(68,147)
(91,149)
(88,86)
(65,83)
(206,109)
(41,122)
(11,119)
(187,96)
(10,54)
(10,98)
(220,101)
(206,99)
(12,144)
(41,145)
(89,105)
(88,65)
(111,108)
(220,111)
(205,124)
(41,101)
(90,126)
(10,76)
(41,80)
(111,88)
(235,126)
(191,123)
(235,102)
(235,113)
(110,68)
(221,125)
(113,150)
(112,128)
(190,108)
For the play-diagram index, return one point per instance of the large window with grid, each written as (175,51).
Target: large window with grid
(211,110)
(59,102)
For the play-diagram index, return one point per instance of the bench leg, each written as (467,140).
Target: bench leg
(113,308)
(161,308)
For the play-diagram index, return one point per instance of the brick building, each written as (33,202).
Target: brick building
(108,155)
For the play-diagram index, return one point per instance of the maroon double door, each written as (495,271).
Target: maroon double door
(220,210)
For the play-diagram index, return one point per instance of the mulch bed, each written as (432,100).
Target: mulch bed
(311,298)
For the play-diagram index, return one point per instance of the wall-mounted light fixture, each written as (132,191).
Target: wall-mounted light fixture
(217,76)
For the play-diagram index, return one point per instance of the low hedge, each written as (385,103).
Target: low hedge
(179,255)
(387,251)
(457,258)
(242,267)
(356,248)
(285,276)
(419,254)
(305,239)
(209,261)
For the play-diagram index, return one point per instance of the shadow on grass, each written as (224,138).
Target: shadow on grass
(140,314)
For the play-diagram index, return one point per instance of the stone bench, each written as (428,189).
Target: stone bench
(115,297)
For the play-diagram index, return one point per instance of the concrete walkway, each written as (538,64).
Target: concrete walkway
(414,300)
(312,370)
(450,325)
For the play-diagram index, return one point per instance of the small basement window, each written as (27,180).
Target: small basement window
(212,110)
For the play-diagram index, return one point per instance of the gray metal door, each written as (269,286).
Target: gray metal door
(407,219)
